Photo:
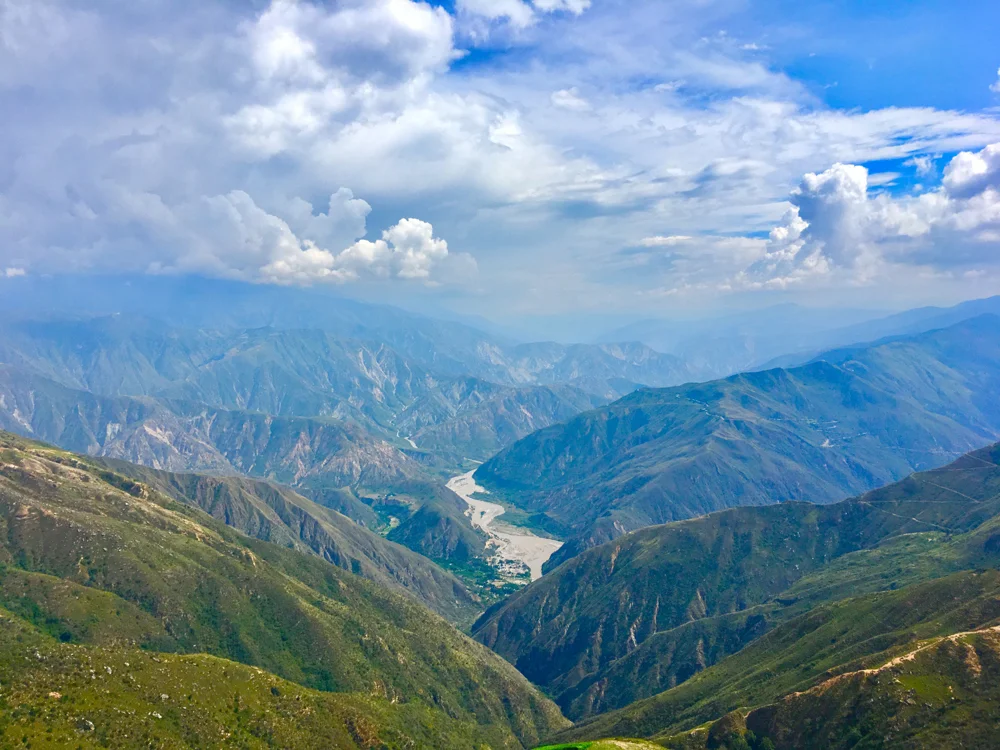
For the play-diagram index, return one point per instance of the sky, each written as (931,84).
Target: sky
(520,160)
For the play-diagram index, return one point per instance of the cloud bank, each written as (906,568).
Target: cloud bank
(123,187)
(836,226)
(586,155)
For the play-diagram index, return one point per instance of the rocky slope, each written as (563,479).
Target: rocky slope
(497,392)
(320,457)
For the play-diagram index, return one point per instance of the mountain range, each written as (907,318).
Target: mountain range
(299,407)
(314,373)
(850,420)
(785,335)
(245,537)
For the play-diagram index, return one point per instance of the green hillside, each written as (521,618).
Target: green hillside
(61,695)
(937,694)
(639,615)
(320,457)
(278,515)
(821,432)
(93,557)
(830,639)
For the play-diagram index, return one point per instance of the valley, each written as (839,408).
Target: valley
(673,562)
(512,548)
(499,375)
(848,421)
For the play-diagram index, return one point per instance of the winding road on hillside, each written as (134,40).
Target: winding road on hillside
(524,547)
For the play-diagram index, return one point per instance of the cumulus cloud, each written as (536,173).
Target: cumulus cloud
(836,225)
(117,188)
(230,235)
(383,41)
(204,136)
(996,86)
(407,250)
(969,174)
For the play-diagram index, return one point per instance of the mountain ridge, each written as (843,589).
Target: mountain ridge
(279,515)
(818,432)
(99,546)
(625,619)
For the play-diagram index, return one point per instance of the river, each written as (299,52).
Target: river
(524,547)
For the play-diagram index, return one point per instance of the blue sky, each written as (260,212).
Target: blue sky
(516,159)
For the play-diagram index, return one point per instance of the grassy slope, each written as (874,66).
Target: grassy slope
(134,698)
(209,589)
(818,432)
(938,694)
(281,516)
(636,616)
(830,639)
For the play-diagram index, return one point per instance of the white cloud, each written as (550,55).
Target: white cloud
(384,41)
(996,86)
(139,133)
(924,165)
(660,241)
(519,14)
(572,6)
(275,83)
(570,99)
(408,250)
(13,272)
(969,174)
(834,225)
(230,235)
(881,179)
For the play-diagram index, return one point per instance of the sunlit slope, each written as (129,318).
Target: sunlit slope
(189,584)
(114,695)
(281,516)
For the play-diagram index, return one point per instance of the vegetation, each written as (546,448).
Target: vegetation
(646,612)
(848,422)
(80,542)
(153,607)
(278,515)
(938,694)
(799,654)
(54,695)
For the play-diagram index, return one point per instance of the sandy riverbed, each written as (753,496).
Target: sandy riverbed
(532,550)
